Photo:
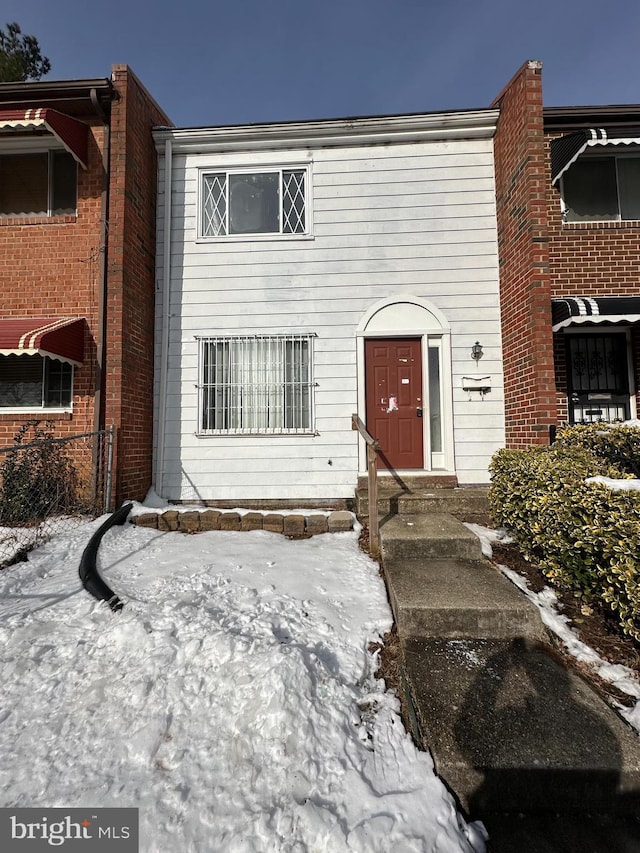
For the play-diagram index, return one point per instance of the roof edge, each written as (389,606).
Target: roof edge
(477,124)
(57,87)
(575,117)
(92,96)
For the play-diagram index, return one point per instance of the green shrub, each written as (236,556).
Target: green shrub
(37,477)
(618,444)
(583,535)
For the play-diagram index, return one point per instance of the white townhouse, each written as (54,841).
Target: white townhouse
(311,270)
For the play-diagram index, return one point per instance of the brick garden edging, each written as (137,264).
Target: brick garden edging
(292,525)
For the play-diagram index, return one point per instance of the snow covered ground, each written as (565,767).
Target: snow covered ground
(233,701)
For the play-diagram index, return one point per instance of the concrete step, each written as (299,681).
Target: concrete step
(511,730)
(393,501)
(435,598)
(440,585)
(563,833)
(411,482)
(432,536)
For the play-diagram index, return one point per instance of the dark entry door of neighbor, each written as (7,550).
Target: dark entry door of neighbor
(395,408)
(597,377)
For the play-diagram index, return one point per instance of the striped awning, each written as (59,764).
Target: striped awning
(576,310)
(565,150)
(73,134)
(61,338)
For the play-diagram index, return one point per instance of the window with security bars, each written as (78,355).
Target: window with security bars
(246,203)
(256,384)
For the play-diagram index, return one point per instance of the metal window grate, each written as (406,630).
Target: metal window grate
(260,384)
(214,210)
(293,207)
(598,377)
(598,363)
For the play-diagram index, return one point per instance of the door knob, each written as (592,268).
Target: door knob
(419,412)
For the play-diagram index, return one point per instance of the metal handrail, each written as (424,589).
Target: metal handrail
(373,446)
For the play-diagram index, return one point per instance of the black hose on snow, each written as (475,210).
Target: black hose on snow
(89,576)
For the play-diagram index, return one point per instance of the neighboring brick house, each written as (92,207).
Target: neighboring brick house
(568,210)
(77,262)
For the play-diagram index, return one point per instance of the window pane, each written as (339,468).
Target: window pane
(57,391)
(254,203)
(20,381)
(297,396)
(435,416)
(65,177)
(629,187)
(24,184)
(293,215)
(215,387)
(214,212)
(589,190)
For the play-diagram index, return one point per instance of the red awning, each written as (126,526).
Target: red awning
(61,338)
(73,134)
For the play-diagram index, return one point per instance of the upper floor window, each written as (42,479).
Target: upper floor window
(602,188)
(38,184)
(35,382)
(272,201)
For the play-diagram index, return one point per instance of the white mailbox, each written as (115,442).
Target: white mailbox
(476,385)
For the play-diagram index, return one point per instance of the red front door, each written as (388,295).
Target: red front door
(393,370)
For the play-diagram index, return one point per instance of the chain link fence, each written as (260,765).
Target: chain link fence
(48,485)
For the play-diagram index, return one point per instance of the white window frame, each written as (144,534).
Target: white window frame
(249,352)
(600,155)
(43,388)
(38,145)
(251,169)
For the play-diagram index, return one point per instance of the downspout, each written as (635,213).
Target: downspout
(101,343)
(164,341)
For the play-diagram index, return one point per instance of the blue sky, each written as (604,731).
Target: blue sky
(235,61)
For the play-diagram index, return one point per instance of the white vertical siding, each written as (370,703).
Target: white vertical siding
(400,220)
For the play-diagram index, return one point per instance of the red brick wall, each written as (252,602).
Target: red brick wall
(131,283)
(591,259)
(521,198)
(49,267)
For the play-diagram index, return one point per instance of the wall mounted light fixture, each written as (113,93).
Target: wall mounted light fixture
(476,351)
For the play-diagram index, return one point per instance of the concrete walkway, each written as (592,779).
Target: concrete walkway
(525,745)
